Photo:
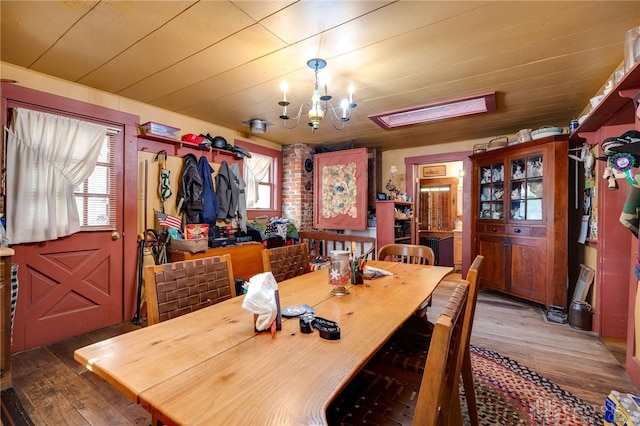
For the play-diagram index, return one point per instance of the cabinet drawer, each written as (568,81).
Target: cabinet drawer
(527,231)
(518,230)
(491,228)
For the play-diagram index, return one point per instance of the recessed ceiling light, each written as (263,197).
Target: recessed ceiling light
(435,112)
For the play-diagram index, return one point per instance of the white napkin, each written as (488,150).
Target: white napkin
(368,268)
(261,299)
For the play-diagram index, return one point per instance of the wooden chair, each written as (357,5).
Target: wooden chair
(390,396)
(410,253)
(407,253)
(287,261)
(465,353)
(178,288)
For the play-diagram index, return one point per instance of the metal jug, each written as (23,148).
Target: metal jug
(580,315)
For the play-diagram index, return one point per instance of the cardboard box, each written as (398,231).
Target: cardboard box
(161,130)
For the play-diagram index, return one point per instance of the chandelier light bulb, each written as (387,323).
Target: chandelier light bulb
(284,86)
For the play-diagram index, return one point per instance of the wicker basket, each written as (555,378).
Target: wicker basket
(499,142)
(194,246)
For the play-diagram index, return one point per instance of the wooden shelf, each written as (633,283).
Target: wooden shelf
(615,108)
(386,223)
(181,144)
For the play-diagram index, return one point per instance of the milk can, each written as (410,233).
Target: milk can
(580,315)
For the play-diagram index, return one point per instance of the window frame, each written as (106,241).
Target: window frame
(111,139)
(277,173)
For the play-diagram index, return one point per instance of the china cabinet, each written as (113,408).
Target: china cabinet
(394,223)
(519,200)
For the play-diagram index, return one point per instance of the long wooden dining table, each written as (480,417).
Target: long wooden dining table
(210,367)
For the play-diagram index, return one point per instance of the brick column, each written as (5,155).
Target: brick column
(297,186)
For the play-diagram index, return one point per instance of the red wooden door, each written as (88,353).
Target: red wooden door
(67,287)
(74,284)
(85,281)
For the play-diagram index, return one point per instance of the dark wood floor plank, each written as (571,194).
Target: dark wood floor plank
(90,402)
(129,409)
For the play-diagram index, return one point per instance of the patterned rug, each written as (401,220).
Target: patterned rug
(508,393)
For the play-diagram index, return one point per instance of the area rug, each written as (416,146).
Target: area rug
(508,393)
(13,413)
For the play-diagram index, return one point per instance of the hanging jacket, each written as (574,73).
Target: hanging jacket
(227,192)
(191,190)
(242,197)
(210,203)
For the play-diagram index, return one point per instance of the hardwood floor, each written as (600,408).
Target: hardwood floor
(56,390)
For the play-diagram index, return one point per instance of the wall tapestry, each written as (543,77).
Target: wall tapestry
(340,190)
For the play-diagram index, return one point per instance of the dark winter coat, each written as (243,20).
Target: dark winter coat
(210,203)
(191,190)
(228,192)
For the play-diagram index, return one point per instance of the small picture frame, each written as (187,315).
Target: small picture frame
(434,171)
(381,196)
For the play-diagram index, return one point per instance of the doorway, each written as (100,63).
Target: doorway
(84,281)
(439,210)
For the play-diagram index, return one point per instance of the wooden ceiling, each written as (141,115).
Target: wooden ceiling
(223,61)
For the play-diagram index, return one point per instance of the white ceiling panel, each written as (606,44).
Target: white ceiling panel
(223,61)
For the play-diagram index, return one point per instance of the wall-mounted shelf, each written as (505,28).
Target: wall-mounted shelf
(180,144)
(615,108)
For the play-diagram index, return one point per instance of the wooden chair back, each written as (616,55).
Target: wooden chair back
(407,253)
(434,402)
(178,288)
(465,353)
(472,278)
(287,261)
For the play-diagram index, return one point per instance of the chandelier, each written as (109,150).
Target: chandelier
(319,106)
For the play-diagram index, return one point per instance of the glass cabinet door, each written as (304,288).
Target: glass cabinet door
(492,192)
(526,176)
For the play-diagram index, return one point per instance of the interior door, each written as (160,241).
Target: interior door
(67,287)
(72,285)
(437,204)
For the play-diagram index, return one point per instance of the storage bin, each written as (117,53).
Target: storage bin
(194,246)
(162,130)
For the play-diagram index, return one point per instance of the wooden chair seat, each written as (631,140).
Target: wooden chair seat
(286,262)
(408,348)
(387,395)
(175,289)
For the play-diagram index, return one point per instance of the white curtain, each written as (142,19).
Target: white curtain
(258,166)
(48,156)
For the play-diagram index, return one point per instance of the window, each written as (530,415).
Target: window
(258,172)
(96,196)
(262,174)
